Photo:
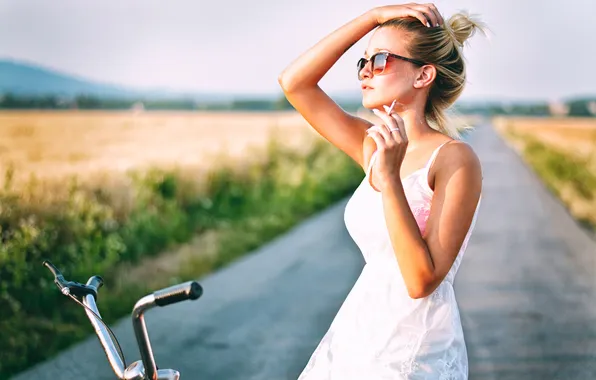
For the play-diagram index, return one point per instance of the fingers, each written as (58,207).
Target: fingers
(374,133)
(419,15)
(431,12)
(401,125)
(437,13)
(427,14)
(394,126)
(389,123)
(381,131)
(398,129)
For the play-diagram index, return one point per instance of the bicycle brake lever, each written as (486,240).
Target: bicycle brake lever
(69,287)
(80,290)
(58,278)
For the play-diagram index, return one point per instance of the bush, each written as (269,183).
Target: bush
(88,232)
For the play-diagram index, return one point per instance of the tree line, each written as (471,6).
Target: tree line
(580,107)
(90,102)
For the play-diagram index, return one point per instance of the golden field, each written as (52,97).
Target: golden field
(56,144)
(576,135)
(563,153)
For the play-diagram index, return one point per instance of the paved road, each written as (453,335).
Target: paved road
(526,291)
(528,284)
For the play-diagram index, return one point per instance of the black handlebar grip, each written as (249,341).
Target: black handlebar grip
(190,290)
(95,282)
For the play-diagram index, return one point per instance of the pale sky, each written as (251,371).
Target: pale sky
(538,49)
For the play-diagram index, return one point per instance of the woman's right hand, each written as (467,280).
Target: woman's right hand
(428,14)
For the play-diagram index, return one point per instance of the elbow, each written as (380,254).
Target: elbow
(281,79)
(284,82)
(420,289)
(291,83)
(416,293)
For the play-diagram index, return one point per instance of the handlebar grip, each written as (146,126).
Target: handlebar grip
(51,267)
(190,290)
(95,282)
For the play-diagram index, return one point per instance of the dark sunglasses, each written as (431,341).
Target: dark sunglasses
(379,62)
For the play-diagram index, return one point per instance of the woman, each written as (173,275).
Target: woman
(413,213)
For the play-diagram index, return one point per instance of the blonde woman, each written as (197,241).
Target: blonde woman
(415,210)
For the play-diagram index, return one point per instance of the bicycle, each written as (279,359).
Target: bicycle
(144,369)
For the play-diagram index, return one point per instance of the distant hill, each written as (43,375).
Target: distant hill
(28,79)
(32,80)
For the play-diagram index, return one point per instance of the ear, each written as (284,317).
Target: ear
(425,76)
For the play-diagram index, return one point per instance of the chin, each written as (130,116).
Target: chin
(370,101)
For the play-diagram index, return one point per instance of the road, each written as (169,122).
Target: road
(526,291)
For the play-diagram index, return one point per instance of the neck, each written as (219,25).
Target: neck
(417,128)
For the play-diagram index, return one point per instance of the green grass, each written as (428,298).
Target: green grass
(557,167)
(88,231)
(560,169)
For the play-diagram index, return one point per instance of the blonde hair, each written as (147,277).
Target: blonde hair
(441,47)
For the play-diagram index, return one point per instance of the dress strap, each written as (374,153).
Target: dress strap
(371,163)
(434,155)
(373,158)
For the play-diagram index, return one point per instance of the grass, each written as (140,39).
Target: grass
(563,154)
(166,223)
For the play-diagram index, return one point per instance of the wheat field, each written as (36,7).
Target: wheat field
(52,145)
(576,135)
(98,145)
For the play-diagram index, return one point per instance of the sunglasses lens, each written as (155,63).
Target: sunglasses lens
(379,61)
(378,64)
(360,65)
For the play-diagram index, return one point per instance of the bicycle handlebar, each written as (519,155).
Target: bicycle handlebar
(187,291)
(72,287)
(146,368)
(95,282)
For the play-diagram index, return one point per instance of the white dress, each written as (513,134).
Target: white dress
(380,332)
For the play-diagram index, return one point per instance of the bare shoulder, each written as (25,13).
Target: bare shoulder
(459,154)
(457,160)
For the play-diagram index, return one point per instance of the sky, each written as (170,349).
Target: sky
(536,49)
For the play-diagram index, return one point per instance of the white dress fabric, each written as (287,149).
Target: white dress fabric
(380,332)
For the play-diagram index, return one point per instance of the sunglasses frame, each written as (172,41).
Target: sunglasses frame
(387,55)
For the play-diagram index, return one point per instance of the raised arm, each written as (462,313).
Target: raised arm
(300,79)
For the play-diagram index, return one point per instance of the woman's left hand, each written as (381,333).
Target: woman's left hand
(392,142)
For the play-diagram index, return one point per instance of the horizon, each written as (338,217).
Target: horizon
(346,95)
(152,46)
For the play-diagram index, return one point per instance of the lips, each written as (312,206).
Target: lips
(365,87)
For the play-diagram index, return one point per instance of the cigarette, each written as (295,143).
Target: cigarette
(391,107)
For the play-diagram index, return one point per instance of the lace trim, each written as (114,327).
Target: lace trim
(421,214)
(410,365)
(449,371)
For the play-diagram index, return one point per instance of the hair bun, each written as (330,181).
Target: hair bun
(462,26)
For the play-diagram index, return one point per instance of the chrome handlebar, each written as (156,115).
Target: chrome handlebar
(144,369)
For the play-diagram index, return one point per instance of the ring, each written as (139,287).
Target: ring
(393,129)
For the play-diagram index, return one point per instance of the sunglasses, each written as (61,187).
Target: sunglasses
(379,62)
